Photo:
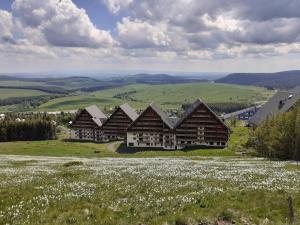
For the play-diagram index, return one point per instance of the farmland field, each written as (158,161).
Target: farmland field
(168,96)
(9,93)
(49,190)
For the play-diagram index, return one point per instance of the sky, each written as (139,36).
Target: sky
(72,36)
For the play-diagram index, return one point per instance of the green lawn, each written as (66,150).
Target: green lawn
(65,148)
(62,148)
(9,93)
(168,96)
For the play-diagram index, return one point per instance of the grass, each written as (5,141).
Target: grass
(9,93)
(62,148)
(86,149)
(167,96)
(145,191)
(92,184)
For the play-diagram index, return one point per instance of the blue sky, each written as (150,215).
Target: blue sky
(99,14)
(149,35)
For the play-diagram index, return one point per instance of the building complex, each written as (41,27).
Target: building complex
(197,126)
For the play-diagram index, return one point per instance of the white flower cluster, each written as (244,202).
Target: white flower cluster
(133,184)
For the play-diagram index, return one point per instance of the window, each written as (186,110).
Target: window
(130,144)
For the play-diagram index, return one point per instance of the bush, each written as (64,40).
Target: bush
(73,163)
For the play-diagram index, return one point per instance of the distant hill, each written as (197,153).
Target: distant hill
(164,79)
(66,85)
(280,80)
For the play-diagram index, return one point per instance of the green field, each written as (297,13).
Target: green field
(9,93)
(167,96)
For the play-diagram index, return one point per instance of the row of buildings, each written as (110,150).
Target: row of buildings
(197,126)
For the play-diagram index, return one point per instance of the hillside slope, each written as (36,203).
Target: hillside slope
(168,96)
(281,80)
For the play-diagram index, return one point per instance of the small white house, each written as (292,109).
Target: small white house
(2,116)
(20,120)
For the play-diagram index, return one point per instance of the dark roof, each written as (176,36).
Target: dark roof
(239,112)
(281,102)
(192,108)
(98,116)
(169,121)
(129,111)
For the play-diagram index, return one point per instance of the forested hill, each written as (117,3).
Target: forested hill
(281,80)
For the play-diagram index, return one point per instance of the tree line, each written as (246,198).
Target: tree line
(278,137)
(34,127)
(31,101)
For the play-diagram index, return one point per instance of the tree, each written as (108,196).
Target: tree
(278,137)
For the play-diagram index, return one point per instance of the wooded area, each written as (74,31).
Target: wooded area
(279,137)
(37,127)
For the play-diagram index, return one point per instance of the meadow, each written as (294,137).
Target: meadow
(61,182)
(170,96)
(10,93)
(68,190)
(64,148)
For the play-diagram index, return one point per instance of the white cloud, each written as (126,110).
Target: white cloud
(115,5)
(140,34)
(222,22)
(61,22)
(6,26)
(168,33)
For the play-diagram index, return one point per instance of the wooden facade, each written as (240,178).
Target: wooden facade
(151,129)
(200,126)
(115,127)
(86,126)
(197,126)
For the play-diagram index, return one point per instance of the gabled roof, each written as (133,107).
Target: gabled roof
(97,115)
(94,111)
(192,108)
(126,108)
(170,122)
(167,120)
(281,102)
(129,111)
